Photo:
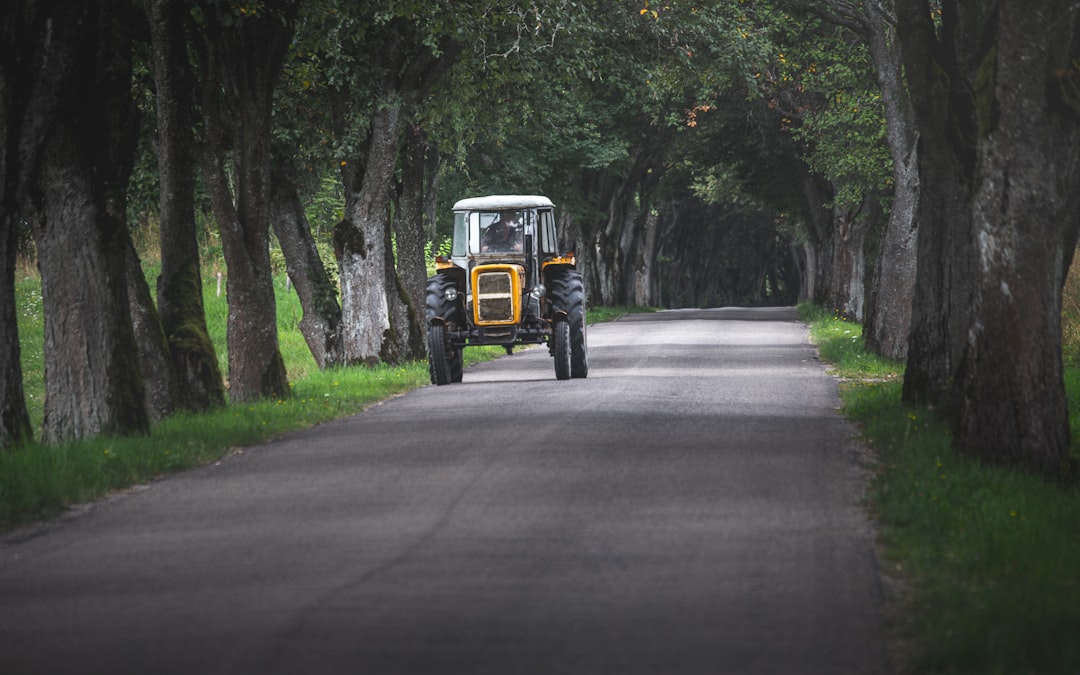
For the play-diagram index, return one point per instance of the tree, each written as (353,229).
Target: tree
(321,323)
(93,378)
(888,317)
(410,52)
(305,162)
(242,53)
(994,89)
(25,102)
(414,198)
(179,293)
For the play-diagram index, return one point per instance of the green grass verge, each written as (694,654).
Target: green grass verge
(39,482)
(989,557)
(601,314)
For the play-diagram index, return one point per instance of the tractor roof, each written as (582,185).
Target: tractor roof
(497,202)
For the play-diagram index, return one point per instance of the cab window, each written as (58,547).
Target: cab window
(461,234)
(548,243)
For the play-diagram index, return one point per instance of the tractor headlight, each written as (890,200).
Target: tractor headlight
(451,294)
(538,291)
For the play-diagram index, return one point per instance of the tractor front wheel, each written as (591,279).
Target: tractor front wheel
(561,350)
(438,361)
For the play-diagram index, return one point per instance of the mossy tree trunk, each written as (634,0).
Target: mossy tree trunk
(193,361)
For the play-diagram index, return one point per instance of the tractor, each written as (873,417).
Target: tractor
(507,283)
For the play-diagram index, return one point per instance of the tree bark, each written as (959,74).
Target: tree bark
(1025,221)
(940,79)
(321,323)
(820,231)
(180,289)
(93,382)
(378,322)
(360,247)
(244,57)
(409,232)
(25,100)
(159,377)
(644,286)
(845,279)
(999,115)
(888,314)
(14,418)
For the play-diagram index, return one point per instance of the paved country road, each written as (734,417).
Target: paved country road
(691,507)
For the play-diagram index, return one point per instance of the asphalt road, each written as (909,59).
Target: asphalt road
(691,507)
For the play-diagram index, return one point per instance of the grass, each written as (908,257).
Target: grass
(840,343)
(38,482)
(600,314)
(989,557)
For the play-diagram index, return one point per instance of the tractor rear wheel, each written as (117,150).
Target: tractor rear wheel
(444,360)
(568,294)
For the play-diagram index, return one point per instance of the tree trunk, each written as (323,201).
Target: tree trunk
(14,419)
(806,255)
(1025,223)
(360,247)
(321,323)
(180,289)
(820,232)
(21,44)
(644,261)
(244,59)
(845,279)
(93,382)
(159,376)
(409,234)
(940,84)
(888,315)
(998,115)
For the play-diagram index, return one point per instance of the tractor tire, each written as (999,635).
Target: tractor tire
(561,350)
(438,364)
(444,360)
(567,293)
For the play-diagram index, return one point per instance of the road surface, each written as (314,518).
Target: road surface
(694,506)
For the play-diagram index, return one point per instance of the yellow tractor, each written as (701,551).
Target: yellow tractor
(505,283)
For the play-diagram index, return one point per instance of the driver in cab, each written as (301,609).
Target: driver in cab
(502,235)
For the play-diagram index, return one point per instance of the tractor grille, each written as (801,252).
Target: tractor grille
(494,297)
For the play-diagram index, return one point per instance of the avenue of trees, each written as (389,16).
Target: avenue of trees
(911,164)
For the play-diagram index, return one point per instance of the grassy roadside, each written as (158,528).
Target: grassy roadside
(38,482)
(989,558)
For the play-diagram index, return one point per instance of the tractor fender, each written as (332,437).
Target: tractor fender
(559,315)
(437,321)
